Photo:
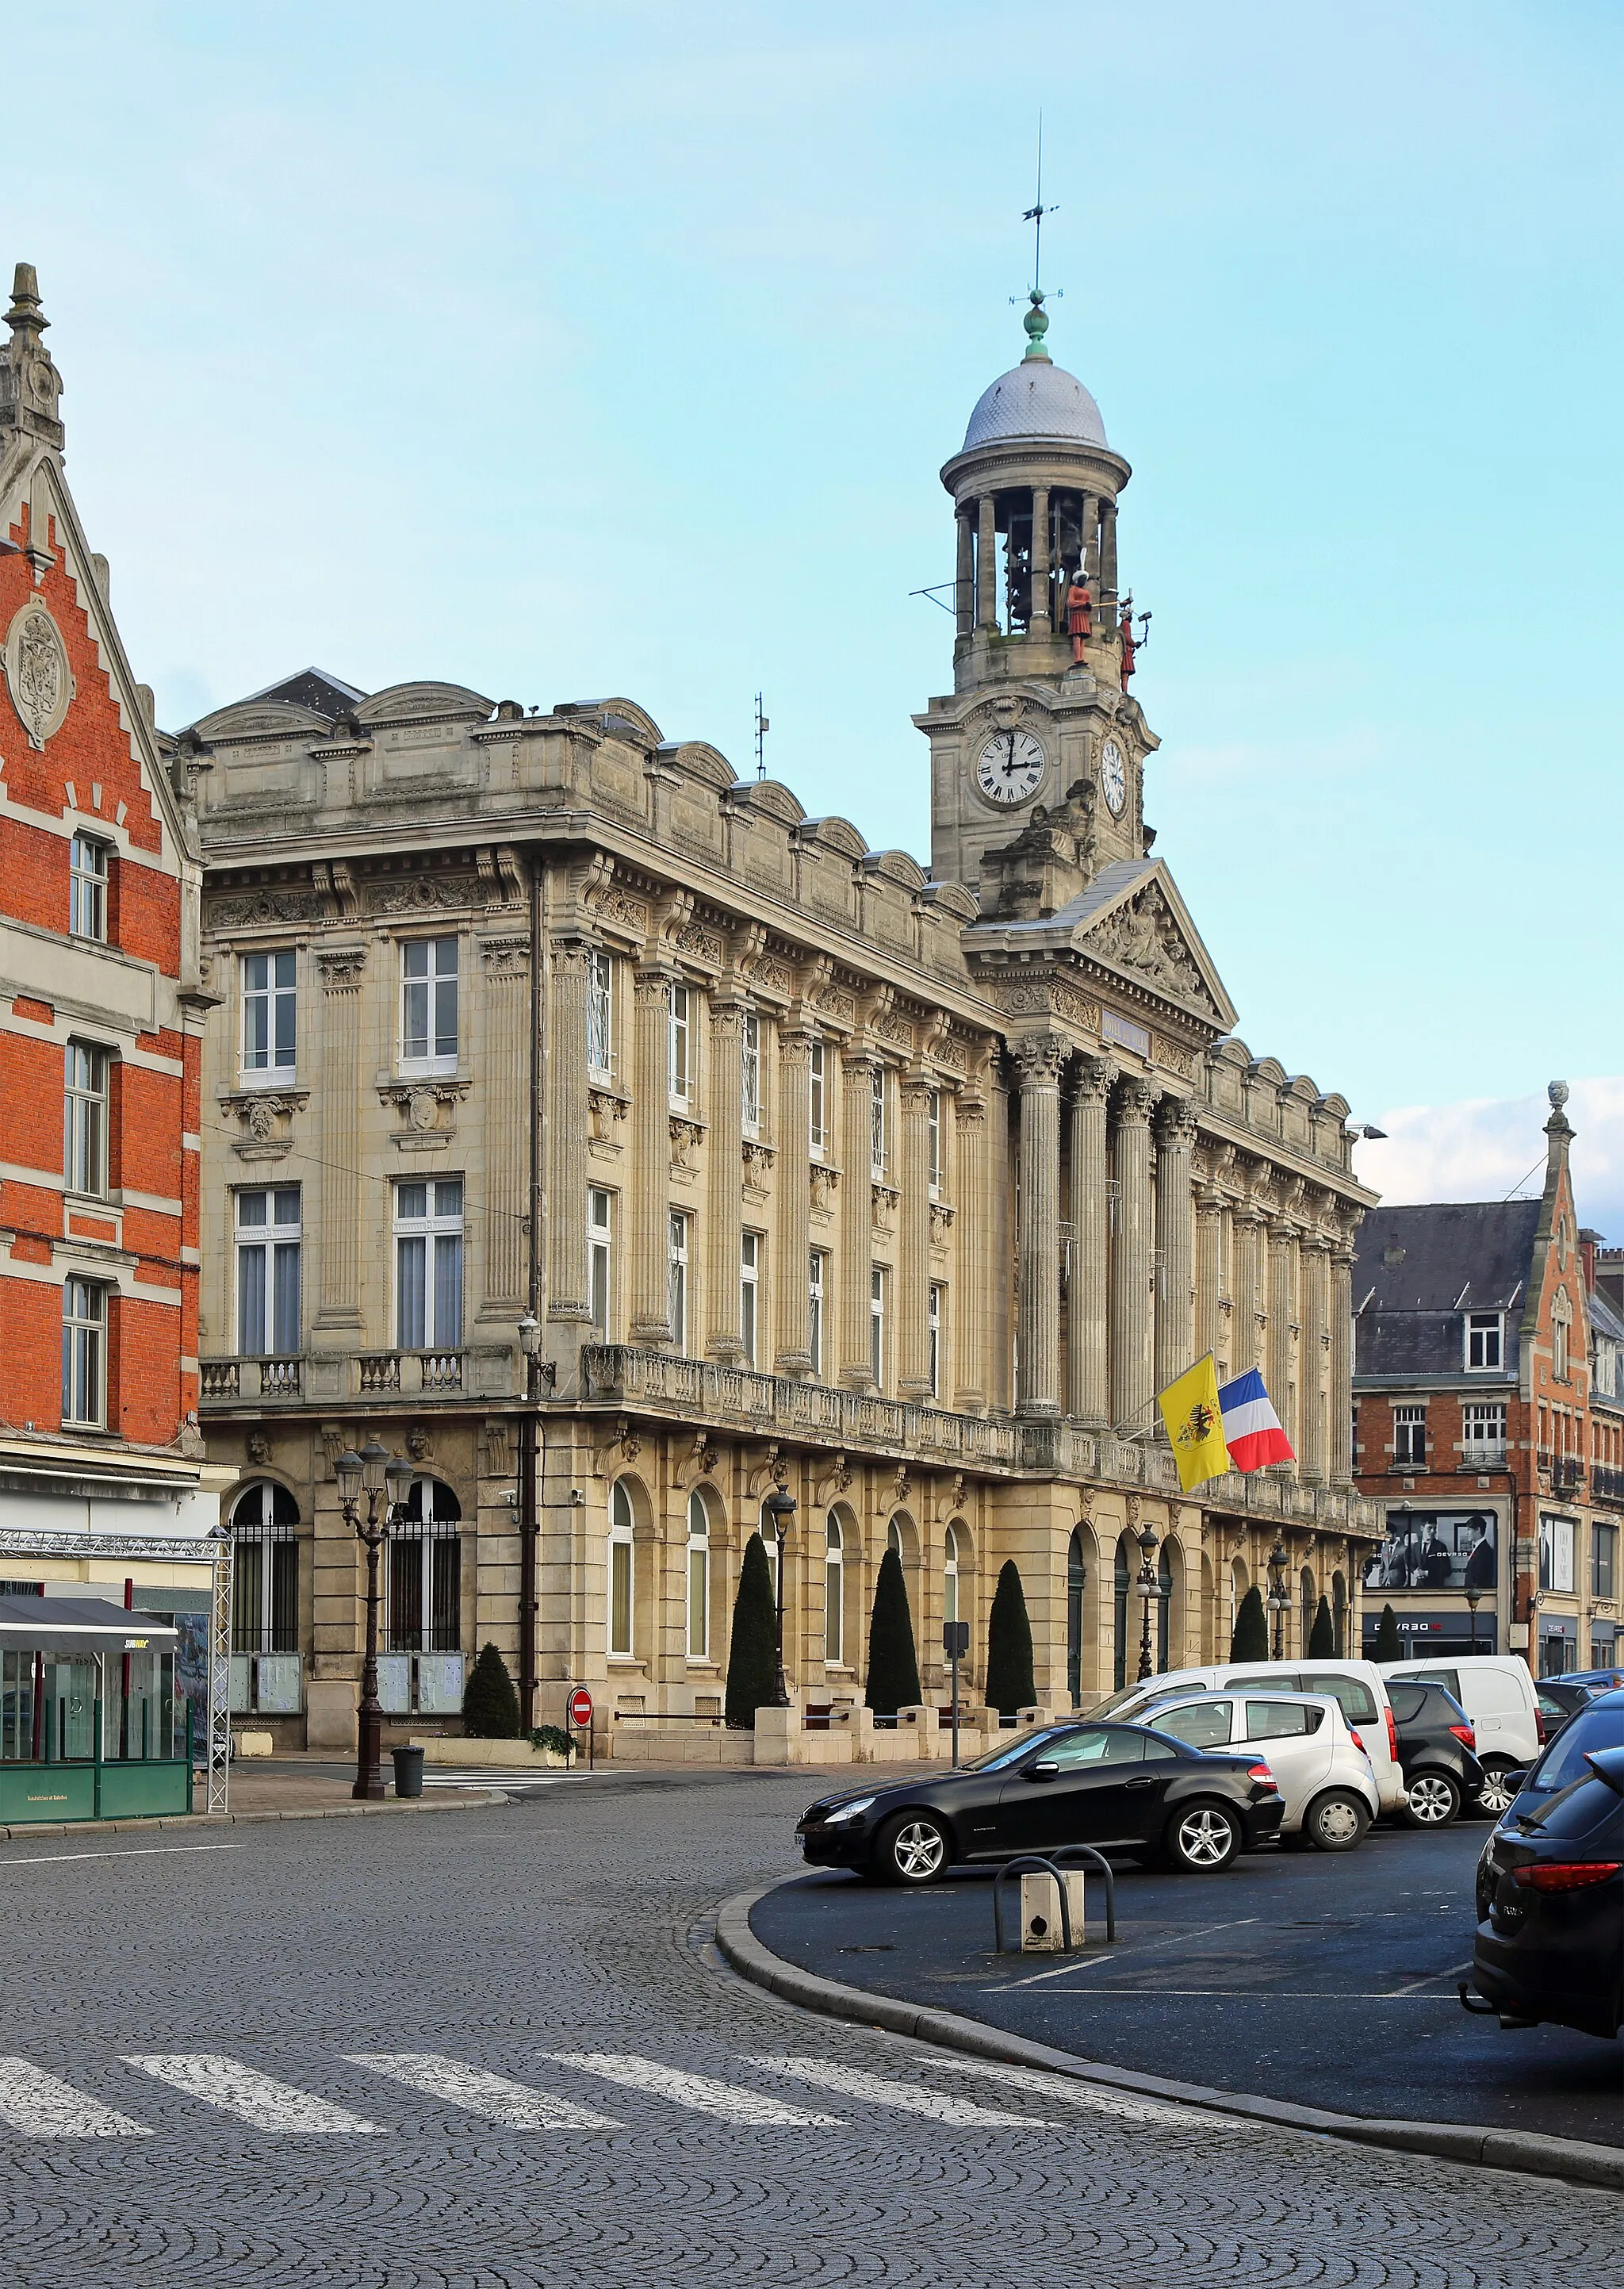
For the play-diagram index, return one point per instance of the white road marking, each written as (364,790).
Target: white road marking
(1415,1985)
(1260,1995)
(490,2094)
(1109,1954)
(131,1852)
(911,2098)
(254,2098)
(41,2107)
(699,2092)
(1095,2098)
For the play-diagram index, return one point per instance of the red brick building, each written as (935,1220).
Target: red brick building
(1489,1423)
(104,1489)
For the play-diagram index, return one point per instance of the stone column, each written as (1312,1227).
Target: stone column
(1038,1063)
(1108,561)
(1130,1261)
(1175,1240)
(505,965)
(1247,1231)
(964,593)
(568,1297)
(913,1240)
(789,1274)
(649,1266)
(1282,1247)
(986,564)
(1209,1275)
(1341,1371)
(724,1197)
(970,1212)
(1040,615)
(1000,1257)
(342,969)
(857,1219)
(1315,1259)
(1089,1394)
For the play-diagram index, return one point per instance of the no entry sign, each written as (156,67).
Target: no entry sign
(580,1709)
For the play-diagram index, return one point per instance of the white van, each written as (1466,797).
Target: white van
(1354,1684)
(1498,1696)
(1318,1758)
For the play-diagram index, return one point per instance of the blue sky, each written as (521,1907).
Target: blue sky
(567,351)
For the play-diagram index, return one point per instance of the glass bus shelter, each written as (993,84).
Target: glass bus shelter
(90,1724)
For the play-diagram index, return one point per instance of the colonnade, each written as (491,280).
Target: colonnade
(976,566)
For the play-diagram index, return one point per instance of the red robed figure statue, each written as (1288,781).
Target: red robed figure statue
(1079,614)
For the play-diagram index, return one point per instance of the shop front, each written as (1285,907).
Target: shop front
(91,1726)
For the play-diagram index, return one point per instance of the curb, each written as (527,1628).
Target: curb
(1531,2151)
(483,1797)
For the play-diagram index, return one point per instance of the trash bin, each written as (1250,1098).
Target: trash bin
(407,1771)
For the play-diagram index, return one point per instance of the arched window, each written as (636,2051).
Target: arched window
(950,1577)
(425,1562)
(1122,1583)
(1339,1616)
(1309,1600)
(264,1570)
(834,1593)
(621,1556)
(1076,1583)
(893,1536)
(698,1579)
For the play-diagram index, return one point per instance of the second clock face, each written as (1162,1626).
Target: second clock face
(1010,767)
(1113,776)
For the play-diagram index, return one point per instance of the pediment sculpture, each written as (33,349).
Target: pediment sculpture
(1141,936)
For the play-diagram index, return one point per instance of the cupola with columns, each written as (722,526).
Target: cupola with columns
(1039,722)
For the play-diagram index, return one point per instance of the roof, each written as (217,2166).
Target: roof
(1418,1271)
(1035,399)
(78,1626)
(312,687)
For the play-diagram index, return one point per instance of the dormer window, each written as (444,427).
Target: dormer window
(1484,1342)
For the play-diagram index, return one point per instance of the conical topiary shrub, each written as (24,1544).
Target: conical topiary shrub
(1322,1637)
(1250,1641)
(489,1705)
(753,1651)
(893,1670)
(1009,1645)
(1389,1647)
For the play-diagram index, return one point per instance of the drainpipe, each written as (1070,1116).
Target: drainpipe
(530,1341)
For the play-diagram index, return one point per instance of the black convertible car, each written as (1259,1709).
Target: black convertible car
(1109,1785)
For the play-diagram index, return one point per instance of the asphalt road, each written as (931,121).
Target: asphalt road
(494,2050)
(1327,1979)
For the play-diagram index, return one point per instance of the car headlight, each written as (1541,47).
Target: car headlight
(849,1811)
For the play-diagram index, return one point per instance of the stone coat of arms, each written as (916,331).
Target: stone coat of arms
(37,672)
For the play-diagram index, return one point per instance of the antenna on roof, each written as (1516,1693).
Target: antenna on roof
(762,728)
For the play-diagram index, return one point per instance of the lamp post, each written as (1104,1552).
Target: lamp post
(780,1507)
(385,1481)
(1146,1587)
(1279,1596)
(530,1346)
(1472,1598)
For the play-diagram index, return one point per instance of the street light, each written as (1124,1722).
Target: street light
(530,1347)
(780,1507)
(1473,1597)
(1279,1596)
(1146,1587)
(386,1480)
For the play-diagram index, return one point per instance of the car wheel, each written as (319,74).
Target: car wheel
(1494,1797)
(1435,1800)
(1335,1821)
(1203,1838)
(914,1849)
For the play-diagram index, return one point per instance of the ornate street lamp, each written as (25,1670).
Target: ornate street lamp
(780,1507)
(1279,1596)
(1146,1587)
(1472,1598)
(384,1479)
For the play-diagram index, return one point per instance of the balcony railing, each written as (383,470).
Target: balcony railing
(334,1376)
(1483,1455)
(1606,1483)
(1568,1474)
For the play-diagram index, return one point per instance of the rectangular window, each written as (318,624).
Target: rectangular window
(749,1292)
(876,1122)
(933,1133)
(815,1309)
(1409,1437)
(1483,1339)
(620,1598)
(599,1258)
(1483,1431)
(817,1129)
(750,1072)
(932,1336)
(267,1243)
(270,1011)
(428,1004)
(428,1264)
(1604,1562)
(600,1015)
(84,1322)
(85,1112)
(678,1064)
(877,1325)
(87,888)
(1557,1553)
(677,1303)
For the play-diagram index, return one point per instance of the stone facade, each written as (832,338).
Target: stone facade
(905,1190)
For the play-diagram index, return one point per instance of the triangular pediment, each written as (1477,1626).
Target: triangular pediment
(1132,919)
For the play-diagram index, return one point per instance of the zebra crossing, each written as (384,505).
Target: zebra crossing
(34,2103)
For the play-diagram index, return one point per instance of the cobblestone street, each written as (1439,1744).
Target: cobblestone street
(496,2048)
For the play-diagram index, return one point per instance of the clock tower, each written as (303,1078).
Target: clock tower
(1040,734)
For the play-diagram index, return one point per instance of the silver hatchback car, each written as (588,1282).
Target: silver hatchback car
(1314,1755)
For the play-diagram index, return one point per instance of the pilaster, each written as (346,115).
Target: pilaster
(1315,1260)
(913,1240)
(1131,1391)
(1088,1392)
(650,1160)
(723,1238)
(567,1299)
(1342,1366)
(505,977)
(1209,1276)
(1282,1250)
(971,1180)
(856,1221)
(1175,1238)
(1038,1063)
(342,969)
(789,1273)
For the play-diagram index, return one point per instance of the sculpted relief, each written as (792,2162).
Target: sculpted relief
(37,672)
(1142,937)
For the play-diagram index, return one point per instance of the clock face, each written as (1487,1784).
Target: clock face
(1113,776)
(1010,767)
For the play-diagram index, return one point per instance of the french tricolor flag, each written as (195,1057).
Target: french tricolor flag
(1251,1428)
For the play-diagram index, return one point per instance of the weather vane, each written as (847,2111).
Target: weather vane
(1037,326)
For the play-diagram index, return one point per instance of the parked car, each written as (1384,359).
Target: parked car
(1356,1685)
(1556,1700)
(1318,1758)
(1599,1727)
(1599,1680)
(1116,1786)
(1497,1694)
(1437,1750)
(1550,1891)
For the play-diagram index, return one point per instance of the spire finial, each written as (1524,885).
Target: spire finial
(1035,322)
(29,383)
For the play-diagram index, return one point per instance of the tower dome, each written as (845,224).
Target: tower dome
(1035,399)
